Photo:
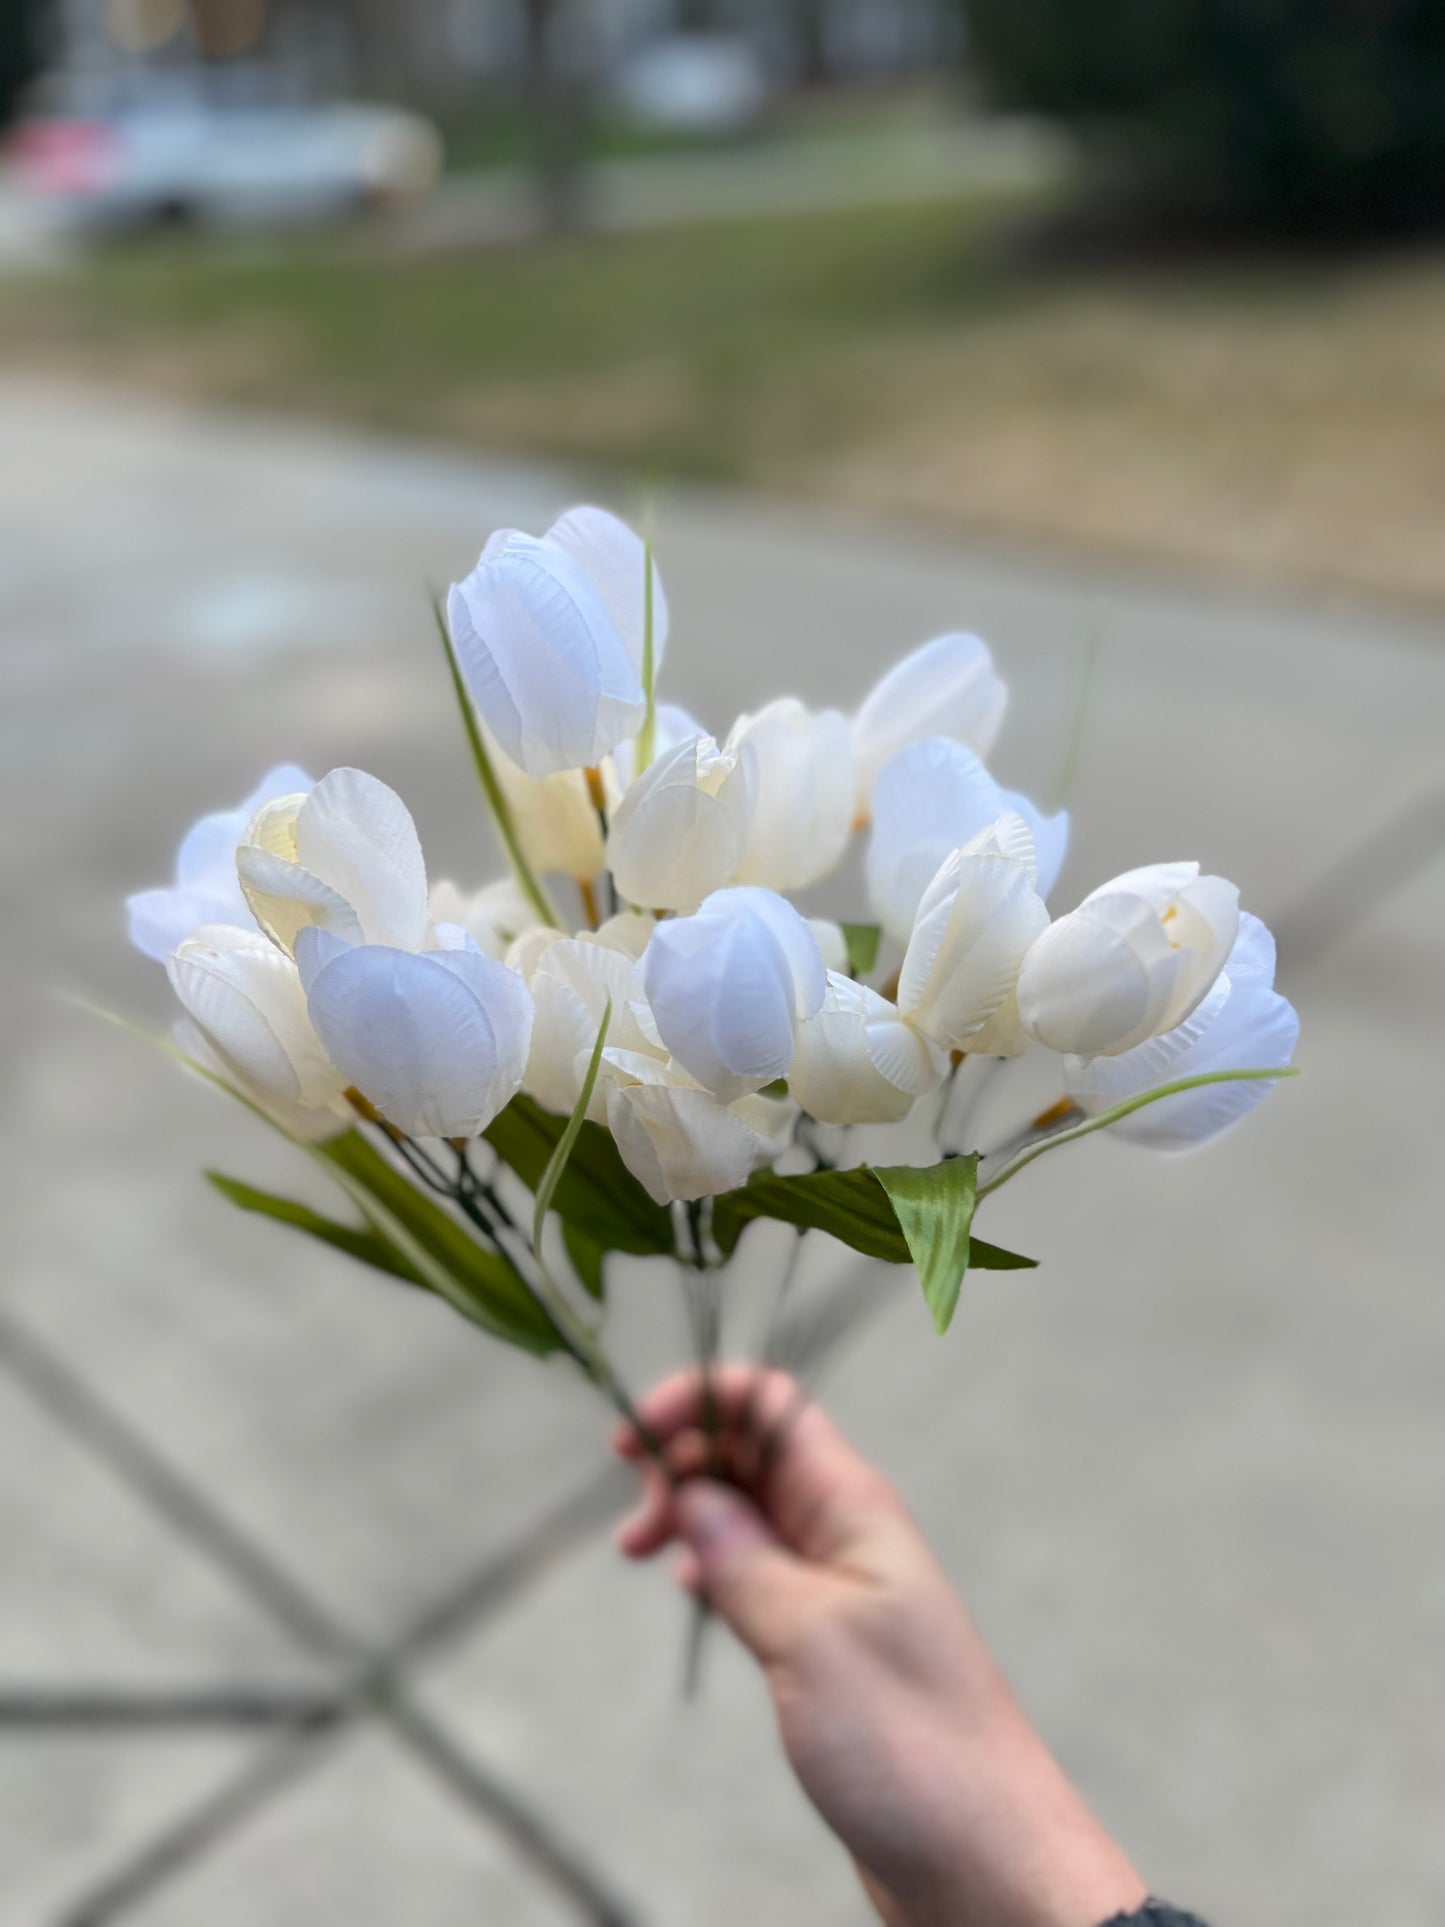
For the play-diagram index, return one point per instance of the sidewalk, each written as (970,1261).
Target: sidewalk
(309,1613)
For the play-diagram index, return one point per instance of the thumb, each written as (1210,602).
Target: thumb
(744,1571)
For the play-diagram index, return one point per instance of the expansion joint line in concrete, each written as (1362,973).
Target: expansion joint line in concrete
(304,1725)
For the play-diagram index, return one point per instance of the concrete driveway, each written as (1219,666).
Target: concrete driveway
(307,1606)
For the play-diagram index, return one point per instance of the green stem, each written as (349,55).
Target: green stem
(491,786)
(1126,1109)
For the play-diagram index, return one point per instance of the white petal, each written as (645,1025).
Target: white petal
(946,688)
(285,899)
(978,920)
(247,998)
(358,837)
(721,993)
(832,944)
(614,557)
(1239,1026)
(858,1062)
(542,656)
(159,921)
(555,816)
(680,1143)
(492,916)
(1253,955)
(1050,837)
(929,800)
(1098,981)
(681,829)
(803,809)
(671,726)
(792,931)
(437,1041)
(629,931)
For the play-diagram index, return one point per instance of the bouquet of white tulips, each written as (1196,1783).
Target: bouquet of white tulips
(635,1042)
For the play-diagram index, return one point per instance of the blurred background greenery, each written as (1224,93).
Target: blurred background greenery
(1159,279)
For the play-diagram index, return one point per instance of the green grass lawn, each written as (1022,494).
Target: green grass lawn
(1254,419)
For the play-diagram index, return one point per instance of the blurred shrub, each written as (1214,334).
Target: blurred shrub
(1304,113)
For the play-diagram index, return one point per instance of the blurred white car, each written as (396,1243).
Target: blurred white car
(223,163)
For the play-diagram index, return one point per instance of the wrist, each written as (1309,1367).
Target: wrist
(1017,1847)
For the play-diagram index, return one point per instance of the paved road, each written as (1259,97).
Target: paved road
(1190,1472)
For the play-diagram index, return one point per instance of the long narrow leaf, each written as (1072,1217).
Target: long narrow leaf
(557,1163)
(492,789)
(1126,1109)
(368,1247)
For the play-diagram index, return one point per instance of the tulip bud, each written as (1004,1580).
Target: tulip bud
(549,636)
(728,987)
(1242,1024)
(206,888)
(803,808)
(437,1041)
(1133,961)
(947,688)
(344,857)
(858,1061)
(976,923)
(681,830)
(929,800)
(246,998)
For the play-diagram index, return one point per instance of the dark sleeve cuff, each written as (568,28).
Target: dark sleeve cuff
(1154,1913)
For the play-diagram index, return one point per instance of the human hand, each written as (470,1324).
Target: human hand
(893,1715)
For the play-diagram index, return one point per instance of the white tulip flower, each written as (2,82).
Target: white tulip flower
(977,921)
(1133,961)
(948,687)
(681,830)
(437,1040)
(572,984)
(671,725)
(549,635)
(206,889)
(803,809)
(493,917)
(728,988)
(859,1061)
(344,857)
(678,1140)
(245,997)
(1242,1024)
(929,800)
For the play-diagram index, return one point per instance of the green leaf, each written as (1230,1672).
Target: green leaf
(899,1214)
(862,941)
(587,1259)
(596,1194)
(369,1247)
(562,1151)
(479,1284)
(492,789)
(483,1285)
(934,1207)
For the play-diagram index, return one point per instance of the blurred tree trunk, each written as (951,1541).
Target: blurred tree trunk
(558,118)
(810,34)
